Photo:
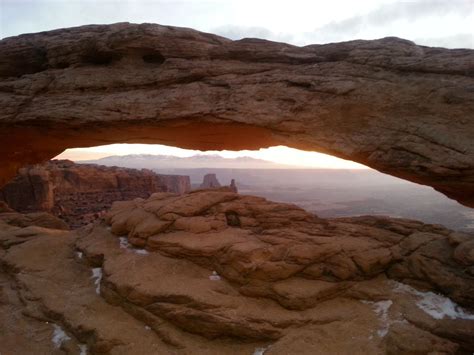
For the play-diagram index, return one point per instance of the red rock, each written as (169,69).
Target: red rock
(204,286)
(389,104)
(80,193)
(247,239)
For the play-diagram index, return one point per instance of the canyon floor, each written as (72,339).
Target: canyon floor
(215,272)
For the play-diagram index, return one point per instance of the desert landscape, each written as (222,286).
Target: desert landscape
(156,254)
(326,192)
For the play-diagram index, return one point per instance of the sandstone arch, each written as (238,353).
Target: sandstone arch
(403,109)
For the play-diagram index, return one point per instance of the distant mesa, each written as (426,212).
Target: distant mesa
(80,193)
(210,181)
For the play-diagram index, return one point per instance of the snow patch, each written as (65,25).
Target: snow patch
(437,306)
(79,254)
(59,336)
(82,349)
(381,310)
(260,351)
(97,275)
(124,244)
(215,277)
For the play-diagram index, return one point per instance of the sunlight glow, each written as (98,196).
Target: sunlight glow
(280,154)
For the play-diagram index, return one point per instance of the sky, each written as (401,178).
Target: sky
(448,23)
(280,154)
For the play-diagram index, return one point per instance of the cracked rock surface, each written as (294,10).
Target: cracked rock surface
(214,272)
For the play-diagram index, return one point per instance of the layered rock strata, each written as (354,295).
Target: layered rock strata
(213,272)
(395,106)
(79,193)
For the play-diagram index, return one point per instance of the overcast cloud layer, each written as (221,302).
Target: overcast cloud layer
(446,23)
(435,23)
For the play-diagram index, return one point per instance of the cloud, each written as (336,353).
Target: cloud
(402,10)
(461,40)
(432,23)
(408,19)
(446,23)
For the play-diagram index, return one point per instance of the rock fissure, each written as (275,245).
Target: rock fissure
(186,308)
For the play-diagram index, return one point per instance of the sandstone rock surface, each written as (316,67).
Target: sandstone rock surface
(213,272)
(390,104)
(78,193)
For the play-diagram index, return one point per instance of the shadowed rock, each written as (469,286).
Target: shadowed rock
(390,104)
(79,193)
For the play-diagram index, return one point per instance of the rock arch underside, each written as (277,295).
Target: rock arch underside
(403,109)
(213,271)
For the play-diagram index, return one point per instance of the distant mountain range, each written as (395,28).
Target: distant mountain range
(150,161)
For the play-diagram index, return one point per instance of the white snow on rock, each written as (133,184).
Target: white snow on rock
(215,276)
(97,275)
(381,310)
(59,336)
(124,244)
(79,254)
(82,349)
(260,351)
(437,306)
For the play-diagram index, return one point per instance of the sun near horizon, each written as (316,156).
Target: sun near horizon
(294,158)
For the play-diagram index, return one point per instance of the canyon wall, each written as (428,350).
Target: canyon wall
(78,193)
(395,106)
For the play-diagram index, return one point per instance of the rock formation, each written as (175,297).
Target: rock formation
(78,193)
(210,182)
(390,104)
(40,219)
(215,272)
(233,186)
